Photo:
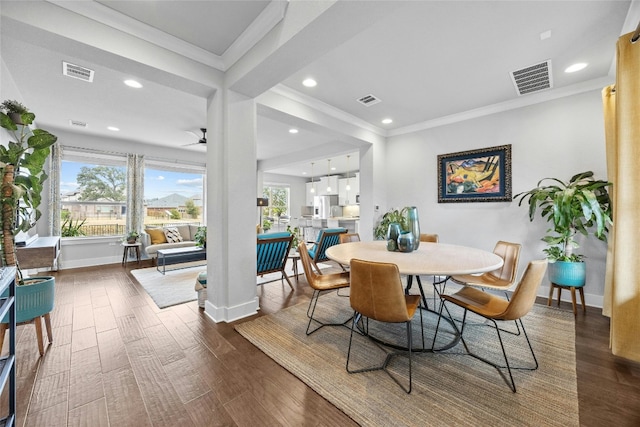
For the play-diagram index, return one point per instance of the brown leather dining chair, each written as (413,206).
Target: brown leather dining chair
(349,237)
(320,283)
(376,293)
(501,279)
(495,308)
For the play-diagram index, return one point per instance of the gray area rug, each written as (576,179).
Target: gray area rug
(173,288)
(448,388)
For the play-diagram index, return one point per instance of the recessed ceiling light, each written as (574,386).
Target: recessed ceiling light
(333,168)
(576,67)
(113,128)
(309,82)
(304,173)
(293,130)
(387,121)
(133,84)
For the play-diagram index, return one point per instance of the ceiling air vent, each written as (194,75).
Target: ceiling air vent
(78,123)
(533,78)
(368,100)
(77,72)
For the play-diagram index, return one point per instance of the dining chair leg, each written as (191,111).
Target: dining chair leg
(284,276)
(311,310)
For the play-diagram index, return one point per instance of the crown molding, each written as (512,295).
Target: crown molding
(525,101)
(264,23)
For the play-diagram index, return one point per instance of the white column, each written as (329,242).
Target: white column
(231,202)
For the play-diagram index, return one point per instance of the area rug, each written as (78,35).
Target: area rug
(449,388)
(173,288)
(177,286)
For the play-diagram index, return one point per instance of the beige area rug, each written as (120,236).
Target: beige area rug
(448,389)
(173,288)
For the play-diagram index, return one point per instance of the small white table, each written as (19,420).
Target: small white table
(128,247)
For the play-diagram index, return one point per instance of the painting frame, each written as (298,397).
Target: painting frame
(482,175)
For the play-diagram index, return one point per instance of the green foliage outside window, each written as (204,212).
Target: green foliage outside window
(102,183)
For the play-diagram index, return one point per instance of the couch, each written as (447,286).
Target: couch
(155,238)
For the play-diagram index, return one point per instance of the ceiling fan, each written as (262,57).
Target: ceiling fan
(202,140)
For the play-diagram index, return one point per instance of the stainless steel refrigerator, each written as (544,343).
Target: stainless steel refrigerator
(322,206)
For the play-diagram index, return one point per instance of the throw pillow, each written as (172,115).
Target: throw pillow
(157,235)
(172,234)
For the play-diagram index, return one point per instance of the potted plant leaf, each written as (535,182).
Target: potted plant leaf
(22,169)
(132,236)
(581,205)
(201,237)
(392,216)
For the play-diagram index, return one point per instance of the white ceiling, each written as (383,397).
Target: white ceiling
(426,60)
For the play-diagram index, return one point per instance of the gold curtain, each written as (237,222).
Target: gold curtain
(622,130)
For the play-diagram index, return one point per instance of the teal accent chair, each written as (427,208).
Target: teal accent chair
(272,250)
(34,302)
(326,238)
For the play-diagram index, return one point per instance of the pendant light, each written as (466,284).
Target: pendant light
(313,184)
(348,187)
(328,170)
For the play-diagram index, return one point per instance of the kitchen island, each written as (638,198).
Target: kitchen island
(310,227)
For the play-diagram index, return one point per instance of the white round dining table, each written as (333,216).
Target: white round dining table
(430,259)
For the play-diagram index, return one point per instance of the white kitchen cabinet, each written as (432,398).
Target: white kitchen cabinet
(345,197)
(330,181)
(309,195)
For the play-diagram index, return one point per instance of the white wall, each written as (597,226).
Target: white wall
(554,139)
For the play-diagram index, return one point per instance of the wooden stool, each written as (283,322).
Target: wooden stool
(573,296)
(127,248)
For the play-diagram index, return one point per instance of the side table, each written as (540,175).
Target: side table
(128,247)
(553,286)
(294,256)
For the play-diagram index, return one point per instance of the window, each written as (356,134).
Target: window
(277,212)
(173,194)
(93,195)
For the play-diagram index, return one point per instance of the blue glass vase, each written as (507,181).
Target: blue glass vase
(414,225)
(406,241)
(392,236)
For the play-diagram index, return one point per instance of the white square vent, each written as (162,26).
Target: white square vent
(77,123)
(77,72)
(533,78)
(369,100)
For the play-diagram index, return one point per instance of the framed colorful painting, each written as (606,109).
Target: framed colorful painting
(482,175)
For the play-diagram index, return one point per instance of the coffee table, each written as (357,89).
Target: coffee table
(179,256)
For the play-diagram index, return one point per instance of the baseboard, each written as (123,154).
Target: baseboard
(88,262)
(230,314)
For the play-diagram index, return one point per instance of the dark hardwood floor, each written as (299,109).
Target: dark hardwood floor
(118,360)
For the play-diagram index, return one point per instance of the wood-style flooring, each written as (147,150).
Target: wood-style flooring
(118,360)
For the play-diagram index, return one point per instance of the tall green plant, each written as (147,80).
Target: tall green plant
(22,169)
(581,205)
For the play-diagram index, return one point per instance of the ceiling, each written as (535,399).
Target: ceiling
(426,61)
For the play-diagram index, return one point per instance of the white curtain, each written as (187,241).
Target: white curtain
(622,129)
(135,192)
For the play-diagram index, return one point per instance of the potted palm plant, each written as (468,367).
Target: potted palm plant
(581,205)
